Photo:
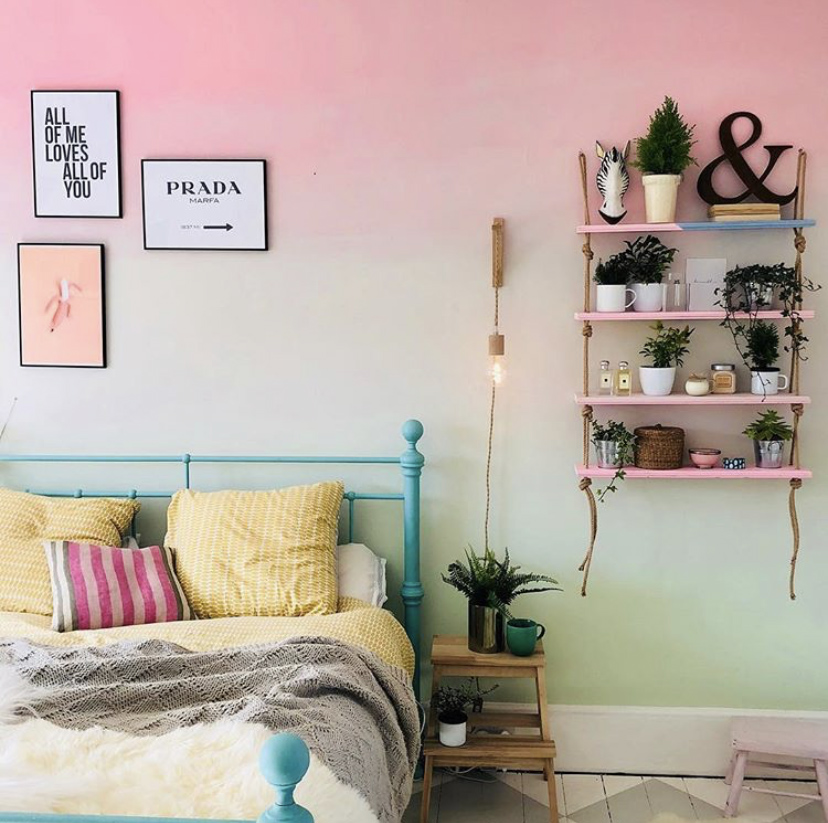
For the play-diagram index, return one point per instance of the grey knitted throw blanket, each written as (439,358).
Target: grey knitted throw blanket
(356,713)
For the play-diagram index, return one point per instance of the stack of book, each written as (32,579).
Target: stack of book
(739,212)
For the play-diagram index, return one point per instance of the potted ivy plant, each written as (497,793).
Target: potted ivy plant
(646,260)
(611,285)
(491,586)
(662,155)
(769,433)
(747,290)
(614,444)
(762,350)
(666,349)
(452,704)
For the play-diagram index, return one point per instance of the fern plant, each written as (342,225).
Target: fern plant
(487,581)
(666,147)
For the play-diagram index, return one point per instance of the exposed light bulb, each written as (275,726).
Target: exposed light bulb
(497,369)
(497,348)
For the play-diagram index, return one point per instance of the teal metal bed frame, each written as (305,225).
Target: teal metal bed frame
(284,759)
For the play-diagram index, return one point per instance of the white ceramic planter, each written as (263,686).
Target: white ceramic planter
(648,296)
(452,734)
(656,382)
(767,382)
(613,298)
(660,194)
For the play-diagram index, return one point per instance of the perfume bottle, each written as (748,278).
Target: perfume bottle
(622,382)
(605,378)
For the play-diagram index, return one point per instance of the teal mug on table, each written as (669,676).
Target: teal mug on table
(522,635)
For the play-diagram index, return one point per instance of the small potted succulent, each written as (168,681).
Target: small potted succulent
(646,260)
(762,350)
(452,704)
(662,155)
(614,449)
(491,586)
(769,433)
(666,350)
(611,285)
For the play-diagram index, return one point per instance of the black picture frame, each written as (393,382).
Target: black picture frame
(242,160)
(119,171)
(102,269)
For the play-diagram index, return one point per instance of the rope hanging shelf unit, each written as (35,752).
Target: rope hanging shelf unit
(793,473)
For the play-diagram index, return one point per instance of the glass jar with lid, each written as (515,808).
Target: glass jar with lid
(723,378)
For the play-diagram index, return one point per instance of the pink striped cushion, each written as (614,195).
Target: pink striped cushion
(99,587)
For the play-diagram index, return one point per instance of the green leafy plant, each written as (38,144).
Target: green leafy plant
(457,700)
(646,259)
(668,346)
(625,443)
(666,147)
(612,273)
(769,426)
(762,345)
(747,290)
(487,581)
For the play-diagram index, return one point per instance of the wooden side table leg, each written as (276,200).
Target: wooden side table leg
(732,806)
(426,801)
(546,732)
(549,774)
(822,782)
(436,676)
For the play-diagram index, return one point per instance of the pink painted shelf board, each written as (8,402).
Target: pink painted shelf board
(681,399)
(698,225)
(692,473)
(668,316)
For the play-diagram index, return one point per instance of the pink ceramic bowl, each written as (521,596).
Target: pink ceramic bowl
(705,458)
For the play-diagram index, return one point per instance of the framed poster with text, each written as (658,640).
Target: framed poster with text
(76,154)
(204,204)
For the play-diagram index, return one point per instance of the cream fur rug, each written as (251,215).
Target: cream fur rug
(199,771)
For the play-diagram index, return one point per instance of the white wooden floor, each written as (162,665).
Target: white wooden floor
(512,798)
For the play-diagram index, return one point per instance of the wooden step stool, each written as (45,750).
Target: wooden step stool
(772,737)
(451,657)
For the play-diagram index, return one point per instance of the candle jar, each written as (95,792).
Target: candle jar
(724,378)
(697,385)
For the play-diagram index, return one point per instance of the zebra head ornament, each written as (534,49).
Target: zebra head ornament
(613,181)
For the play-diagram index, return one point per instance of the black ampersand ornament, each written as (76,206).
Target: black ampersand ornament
(733,155)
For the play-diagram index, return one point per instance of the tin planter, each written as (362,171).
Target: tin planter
(606,453)
(486,633)
(770,454)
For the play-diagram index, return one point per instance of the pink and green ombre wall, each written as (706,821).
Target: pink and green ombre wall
(394,132)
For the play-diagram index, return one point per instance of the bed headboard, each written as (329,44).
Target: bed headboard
(410,462)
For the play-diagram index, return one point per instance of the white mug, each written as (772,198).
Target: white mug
(613,298)
(648,296)
(767,382)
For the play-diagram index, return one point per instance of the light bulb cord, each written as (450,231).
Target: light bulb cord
(491,432)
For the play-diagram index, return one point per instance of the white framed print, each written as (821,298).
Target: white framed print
(76,154)
(205,204)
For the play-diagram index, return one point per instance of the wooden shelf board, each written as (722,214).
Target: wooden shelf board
(701,225)
(497,748)
(505,720)
(692,473)
(681,399)
(669,316)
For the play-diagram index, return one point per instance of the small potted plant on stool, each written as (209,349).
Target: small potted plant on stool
(666,350)
(769,432)
(662,155)
(452,704)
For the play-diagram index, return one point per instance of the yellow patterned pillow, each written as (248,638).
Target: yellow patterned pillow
(26,520)
(260,553)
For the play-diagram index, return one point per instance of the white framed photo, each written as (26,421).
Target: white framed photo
(76,154)
(205,204)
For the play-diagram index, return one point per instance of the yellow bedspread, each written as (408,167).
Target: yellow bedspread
(356,622)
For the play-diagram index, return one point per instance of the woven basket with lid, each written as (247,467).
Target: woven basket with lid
(659,447)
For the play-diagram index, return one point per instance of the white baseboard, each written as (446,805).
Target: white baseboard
(643,740)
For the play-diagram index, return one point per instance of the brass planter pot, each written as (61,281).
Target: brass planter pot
(486,631)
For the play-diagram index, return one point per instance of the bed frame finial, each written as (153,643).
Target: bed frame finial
(284,761)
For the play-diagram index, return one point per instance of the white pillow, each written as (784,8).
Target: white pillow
(361,574)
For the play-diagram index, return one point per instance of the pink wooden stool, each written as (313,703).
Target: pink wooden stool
(772,737)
